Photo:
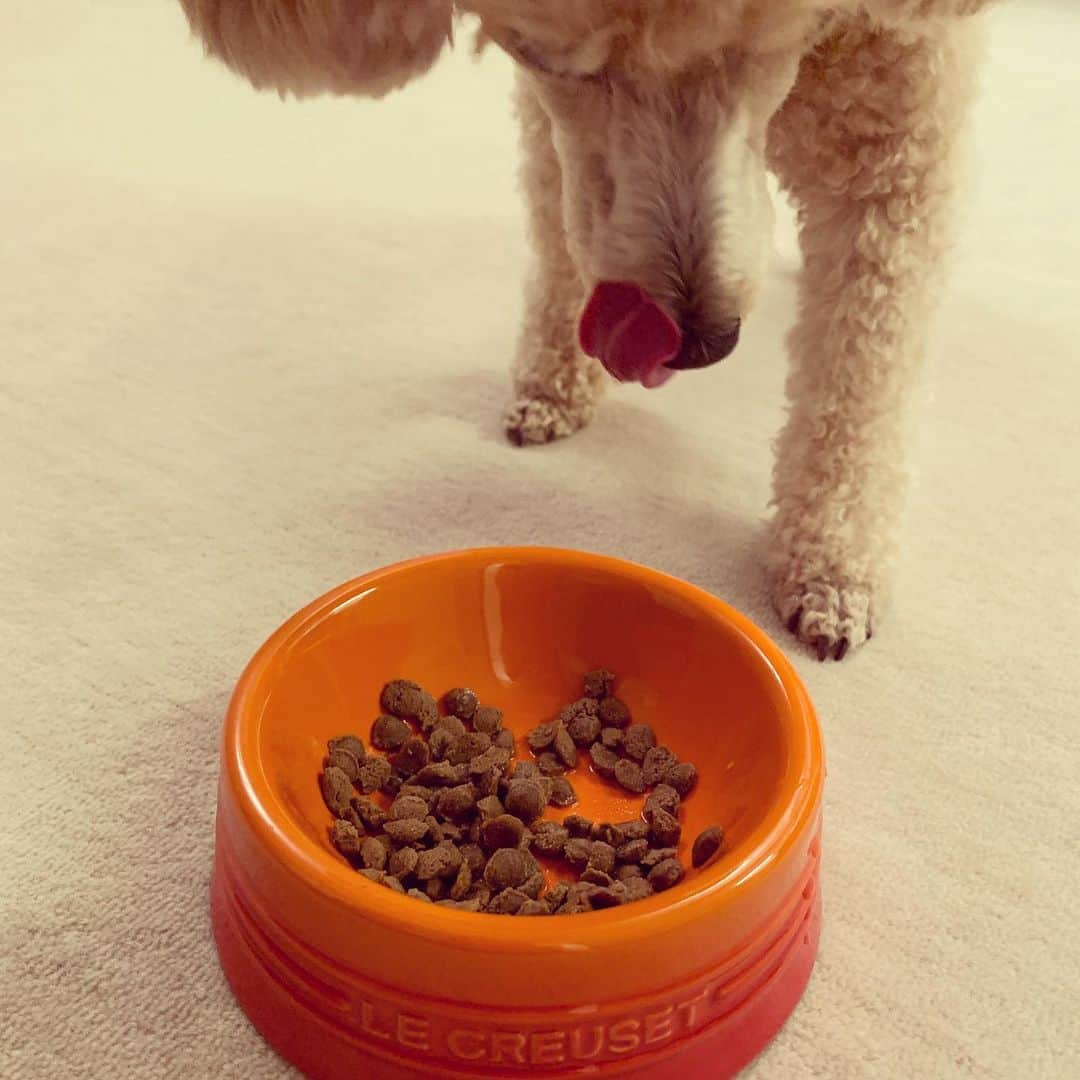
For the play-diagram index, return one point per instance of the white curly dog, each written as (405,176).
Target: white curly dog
(648,127)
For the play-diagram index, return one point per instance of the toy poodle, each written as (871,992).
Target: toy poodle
(648,128)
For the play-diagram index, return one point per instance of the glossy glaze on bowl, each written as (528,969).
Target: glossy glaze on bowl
(347,978)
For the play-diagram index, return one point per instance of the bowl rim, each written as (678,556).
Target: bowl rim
(793,813)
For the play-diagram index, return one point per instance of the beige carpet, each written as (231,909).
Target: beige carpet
(248,350)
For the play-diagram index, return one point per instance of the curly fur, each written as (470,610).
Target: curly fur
(647,129)
(308,47)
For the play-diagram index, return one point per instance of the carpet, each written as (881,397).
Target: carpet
(250,349)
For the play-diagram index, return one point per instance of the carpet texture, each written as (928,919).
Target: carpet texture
(252,349)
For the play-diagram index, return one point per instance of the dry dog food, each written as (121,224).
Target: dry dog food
(447,814)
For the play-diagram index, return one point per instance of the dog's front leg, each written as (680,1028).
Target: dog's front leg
(556,386)
(865,146)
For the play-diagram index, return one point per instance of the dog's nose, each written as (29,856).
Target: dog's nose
(699,350)
(630,333)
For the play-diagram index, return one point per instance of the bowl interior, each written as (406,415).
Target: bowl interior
(521,630)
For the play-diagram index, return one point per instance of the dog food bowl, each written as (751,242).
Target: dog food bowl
(346,978)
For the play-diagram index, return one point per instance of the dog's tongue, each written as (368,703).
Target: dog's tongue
(629,333)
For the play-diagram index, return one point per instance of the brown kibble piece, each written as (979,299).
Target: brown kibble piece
(605,896)
(352,743)
(599,683)
(408,700)
(576,851)
(682,777)
(708,844)
(611,737)
(507,902)
(407,831)
(439,744)
(441,774)
(374,772)
(346,761)
(526,770)
(656,764)
(463,880)
(596,877)
(457,803)
(507,869)
(550,765)
(664,828)
(436,888)
(525,799)
(627,871)
(412,756)
(632,851)
(603,760)
(373,854)
(634,830)
(461,702)
(628,774)
(636,887)
(578,826)
(443,861)
(602,857)
(542,736)
(490,806)
(337,790)
(534,884)
(564,747)
(346,838)
(371,816)
(665,874)
(493,758)
(614,712)
(471,745)
(638,741)
(610,834)
(504,740)
(403,862)
(473,854)
(663,797)
(562,793)
(549,838)
(532,907)
(584,727)
(408,806)
(657,855)
(389,733)
(504,831)
(488,719)
(417,894)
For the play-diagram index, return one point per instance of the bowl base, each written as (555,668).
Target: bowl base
(323,1047)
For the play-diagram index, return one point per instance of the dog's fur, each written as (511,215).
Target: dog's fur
(648,126)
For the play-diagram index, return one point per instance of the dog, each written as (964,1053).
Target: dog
(648,128)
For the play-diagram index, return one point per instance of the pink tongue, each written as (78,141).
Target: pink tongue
(629,333)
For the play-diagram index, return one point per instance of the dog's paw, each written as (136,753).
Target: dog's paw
(831,618)
(531,421)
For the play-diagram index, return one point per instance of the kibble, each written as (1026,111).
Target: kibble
(708,844)
(658,761)
(614,713)
(665,874)
(638,741)
(389,733)
(461,702)
(487,719)
(562,793)
(441,810)
(525,799)
(374,772)
(346,838)
(628,774)
(599,683)
(337,790)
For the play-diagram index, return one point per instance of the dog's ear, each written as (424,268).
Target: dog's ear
(307,47)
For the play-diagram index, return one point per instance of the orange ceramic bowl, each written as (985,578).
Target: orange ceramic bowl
(346,978)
